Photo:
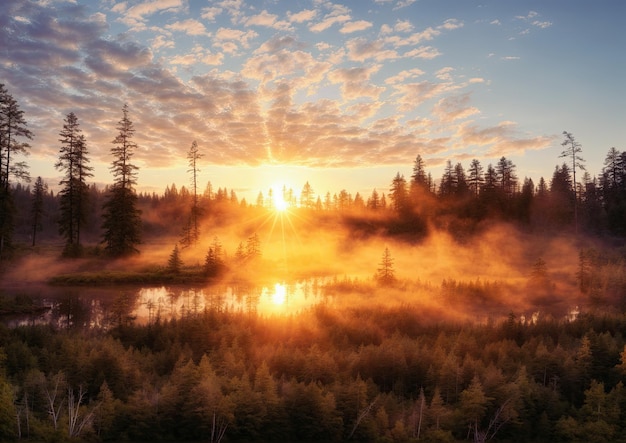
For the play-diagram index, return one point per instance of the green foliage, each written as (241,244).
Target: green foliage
(312,378)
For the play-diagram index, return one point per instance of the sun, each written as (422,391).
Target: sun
(280,294)
(279,202)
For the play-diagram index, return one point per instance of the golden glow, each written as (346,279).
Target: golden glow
(280,294)
(279,202)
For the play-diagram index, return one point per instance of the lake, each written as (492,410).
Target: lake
(104,307)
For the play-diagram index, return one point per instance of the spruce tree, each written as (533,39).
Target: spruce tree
(191,232)
(12,132)
(175,263)
(385,273)
(571,150)
(73,161)
(122,219)
(37,212)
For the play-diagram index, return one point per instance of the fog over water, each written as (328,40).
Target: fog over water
(478,278)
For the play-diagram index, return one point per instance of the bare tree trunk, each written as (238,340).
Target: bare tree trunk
(419,425)
(54,410)
(76,422)
(218,429)
(361,416)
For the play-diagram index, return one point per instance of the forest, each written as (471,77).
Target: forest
(477,306)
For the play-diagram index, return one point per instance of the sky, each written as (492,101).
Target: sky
(342,94)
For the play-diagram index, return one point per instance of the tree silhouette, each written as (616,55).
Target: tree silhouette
(475,178)
(385,272)
(191,231)
(506,178)
(399,193)
(36,213)
(122,219)
(307,196)
(174,263)
(374,201)
(12,131)
(73,162)
(571,150)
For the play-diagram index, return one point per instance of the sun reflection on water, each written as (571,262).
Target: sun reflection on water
(280,294)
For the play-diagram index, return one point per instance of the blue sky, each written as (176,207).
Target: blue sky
(340,94)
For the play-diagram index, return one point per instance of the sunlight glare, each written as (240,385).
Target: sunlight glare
(279,202)
(280,294)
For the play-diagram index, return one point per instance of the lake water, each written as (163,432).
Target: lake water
(104,307)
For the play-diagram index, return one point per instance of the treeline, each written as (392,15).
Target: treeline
(460,201)
(370,373)
(460,204)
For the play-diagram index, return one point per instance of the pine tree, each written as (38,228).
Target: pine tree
(253,247)
(191,232)
(506,178)
(214,262)
(306,196)
(475,179)
(399,193)
(374,201)
(12,131)
(122,219)
(36,213)
(571,150)
(73,197)
(419,178)
(386,273)
(175,263)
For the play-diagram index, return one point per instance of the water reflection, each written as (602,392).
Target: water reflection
(79,307)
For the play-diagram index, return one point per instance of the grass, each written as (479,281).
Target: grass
(151,276)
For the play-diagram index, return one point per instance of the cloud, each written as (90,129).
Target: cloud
(449,109)
(211,13)
(355,82)
(411,95)
(404,75)
(135,16)
(541,24)
(161,41)
(425,52)
(306,15)
(403,26)
(198,55)
(531,18)
(500,139)
(229,39)
(189,27)
(338,14)
(361,49)
(356,26)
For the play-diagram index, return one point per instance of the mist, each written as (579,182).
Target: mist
(483,276)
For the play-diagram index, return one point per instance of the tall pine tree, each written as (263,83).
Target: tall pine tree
(191,231)
(39,189)
(122,219)
(13,131)
(73,161)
